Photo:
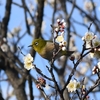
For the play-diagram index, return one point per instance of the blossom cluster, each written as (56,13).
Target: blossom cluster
(88,5)
(28,59)
(96,68)
(28,62)
(73,86)
(91,41)
(84,91)
(3,45)
(59,30)
(14,32)
(41,82)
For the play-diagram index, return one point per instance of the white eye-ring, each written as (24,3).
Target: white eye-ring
(36,43)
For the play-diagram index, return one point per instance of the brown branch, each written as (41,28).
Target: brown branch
(38,22)
(94,20)
(25,13)
(39,18)
(17,83)
(30,88)
(67,19)
(26,8)
(44,75)
(1,97)
(44,94)
(52,74)
(74,69)
(6,18)
(54,12)
(91,89)
(13,76)
(56,84)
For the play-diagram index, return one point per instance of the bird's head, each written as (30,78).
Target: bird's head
(38,44)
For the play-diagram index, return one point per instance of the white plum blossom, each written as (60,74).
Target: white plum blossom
(83,69)
(61,41)
(63,45)
(60,38)
(88,36)
(59,30)
(96,53)
(4,47)
(96,68)
(56,29)
(4,39)
(30,22)
(62,21)
(78,85)
(98,65)
(9,35)
(28,60)
(96,42)
(63,48)
(88,44)
(31,7)
(73,86)
(86,20)
(62,33)
(58,20)
(16,30)
(47,87)
(88,5)
(64,24)
(91,55)
(90,40)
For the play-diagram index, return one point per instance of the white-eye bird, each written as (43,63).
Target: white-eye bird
(45,49)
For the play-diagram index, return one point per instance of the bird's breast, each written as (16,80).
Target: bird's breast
(47,51)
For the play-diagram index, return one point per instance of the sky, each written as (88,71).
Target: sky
(17,19)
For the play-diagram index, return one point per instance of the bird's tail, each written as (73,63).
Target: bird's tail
(68,53)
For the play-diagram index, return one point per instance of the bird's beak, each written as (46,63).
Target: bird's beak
(30,46)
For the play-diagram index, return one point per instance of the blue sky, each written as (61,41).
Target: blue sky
(17,19)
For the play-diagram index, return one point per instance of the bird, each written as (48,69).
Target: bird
(45,49)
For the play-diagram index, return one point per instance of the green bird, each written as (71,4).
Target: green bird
(45,49)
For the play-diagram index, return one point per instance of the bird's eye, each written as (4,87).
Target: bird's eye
(36,43)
